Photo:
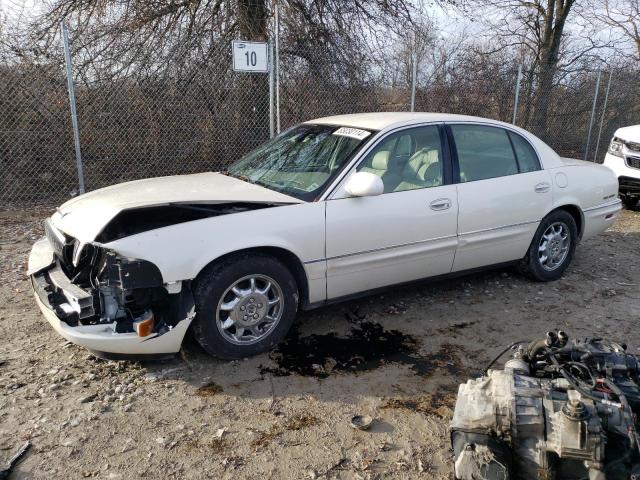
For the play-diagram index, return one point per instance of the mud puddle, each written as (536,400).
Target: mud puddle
(367,347)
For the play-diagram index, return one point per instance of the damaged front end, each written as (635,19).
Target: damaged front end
(111,305)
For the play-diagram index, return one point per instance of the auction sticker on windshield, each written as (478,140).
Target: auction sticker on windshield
(352,132)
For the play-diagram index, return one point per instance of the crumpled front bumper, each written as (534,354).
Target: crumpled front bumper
(102,338)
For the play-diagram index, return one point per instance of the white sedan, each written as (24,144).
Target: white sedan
(330,209)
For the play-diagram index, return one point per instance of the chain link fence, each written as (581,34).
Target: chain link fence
(162,123)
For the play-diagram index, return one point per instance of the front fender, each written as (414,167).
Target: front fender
(181,251)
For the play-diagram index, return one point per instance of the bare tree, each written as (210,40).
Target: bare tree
(624,16)
(537,28)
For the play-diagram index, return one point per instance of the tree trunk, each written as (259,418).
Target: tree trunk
(544,91)
(554,19)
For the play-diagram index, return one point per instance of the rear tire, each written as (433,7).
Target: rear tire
(552,247)
(245,305)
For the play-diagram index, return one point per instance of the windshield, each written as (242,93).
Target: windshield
(300,162)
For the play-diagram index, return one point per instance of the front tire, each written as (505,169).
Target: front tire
(245,305)
(629,202)
(552,247)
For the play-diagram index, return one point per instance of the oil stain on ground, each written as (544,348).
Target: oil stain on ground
(439,403)
(367,347)
(208,390)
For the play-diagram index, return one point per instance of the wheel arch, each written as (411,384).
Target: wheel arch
(577,214)
(286,257)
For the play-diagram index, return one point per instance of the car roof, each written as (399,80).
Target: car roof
(382,120)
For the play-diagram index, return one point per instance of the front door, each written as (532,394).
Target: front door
(408,232)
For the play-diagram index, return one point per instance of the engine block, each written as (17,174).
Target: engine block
(556,410)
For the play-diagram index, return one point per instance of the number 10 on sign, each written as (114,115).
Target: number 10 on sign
(250,57)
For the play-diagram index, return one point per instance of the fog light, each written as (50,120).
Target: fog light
(143,325)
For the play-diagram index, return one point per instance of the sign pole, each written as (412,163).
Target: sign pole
(604,111)
(593,115)
(271,92)
(517,99)
(277,72)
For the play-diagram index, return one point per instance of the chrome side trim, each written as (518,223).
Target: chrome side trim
(617,201)
(422,241)
(499,228)
(364,252)
(315,261)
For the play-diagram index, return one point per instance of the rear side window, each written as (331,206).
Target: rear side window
(527,158)
(483,152)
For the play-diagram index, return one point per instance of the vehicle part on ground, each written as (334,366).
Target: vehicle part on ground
(245,305)
(558,410)
(13,461)
(361,422)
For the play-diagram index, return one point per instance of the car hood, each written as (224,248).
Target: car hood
(85,216)
(629,134)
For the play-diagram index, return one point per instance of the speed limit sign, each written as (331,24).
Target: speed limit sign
(250,57)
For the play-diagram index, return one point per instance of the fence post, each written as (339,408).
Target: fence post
(72,103)
(271,91)
(604,111)
(593,113)
(277,64)
(517,99)
(414,72)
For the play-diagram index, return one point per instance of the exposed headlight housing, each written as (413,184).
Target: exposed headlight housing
(615,147)
(78,247)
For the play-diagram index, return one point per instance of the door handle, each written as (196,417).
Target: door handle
(543,187)
(440,204)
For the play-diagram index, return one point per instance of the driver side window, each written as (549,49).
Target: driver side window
(407,160)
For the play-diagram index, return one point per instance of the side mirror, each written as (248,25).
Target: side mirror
(364,184)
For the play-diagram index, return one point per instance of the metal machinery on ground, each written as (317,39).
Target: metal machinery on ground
(558,410)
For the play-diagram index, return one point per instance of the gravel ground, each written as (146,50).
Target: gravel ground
(396,357)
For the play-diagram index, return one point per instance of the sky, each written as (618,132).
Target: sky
(449,22)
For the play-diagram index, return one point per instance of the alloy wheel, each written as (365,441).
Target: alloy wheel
(249,309)
(554,246)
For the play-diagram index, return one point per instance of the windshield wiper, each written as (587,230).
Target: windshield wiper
(244,178)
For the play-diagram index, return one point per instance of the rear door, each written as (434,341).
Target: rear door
(502,193)
(409,231)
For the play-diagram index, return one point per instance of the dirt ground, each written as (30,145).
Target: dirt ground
(396,357)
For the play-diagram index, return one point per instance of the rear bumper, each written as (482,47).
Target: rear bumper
(598,219)
(62,303)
